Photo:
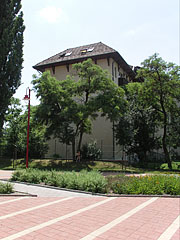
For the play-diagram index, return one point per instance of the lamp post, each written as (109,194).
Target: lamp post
(27,97)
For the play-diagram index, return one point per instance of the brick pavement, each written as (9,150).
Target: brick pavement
(124,218)
(65,215)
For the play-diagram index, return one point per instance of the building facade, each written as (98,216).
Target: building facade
(60,65)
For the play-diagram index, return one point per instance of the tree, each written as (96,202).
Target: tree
(135,130)
(15,132)
(161,91)
(11,55)
(12,128)
(96,93)
(68,107)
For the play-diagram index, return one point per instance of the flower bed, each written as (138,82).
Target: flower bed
(153,184)
(93,181)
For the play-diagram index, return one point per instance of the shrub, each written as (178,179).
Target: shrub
(87,181)
(90,151)
(175,166)
(155,184)
(6,188)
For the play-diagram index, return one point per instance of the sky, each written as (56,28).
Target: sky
(135,28)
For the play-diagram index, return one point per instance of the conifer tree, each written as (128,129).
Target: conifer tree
(11,52)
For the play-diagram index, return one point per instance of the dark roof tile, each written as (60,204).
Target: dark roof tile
(71,55)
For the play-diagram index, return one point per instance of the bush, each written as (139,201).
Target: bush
(155,184)
(175,166)
(91,152)
(93,181)
(87,181)
(6,188)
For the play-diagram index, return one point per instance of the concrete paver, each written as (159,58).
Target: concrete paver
(6,174)
(79,217)
(42,191)
(63,215)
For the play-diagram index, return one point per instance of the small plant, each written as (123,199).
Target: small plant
(6,188)
(56,156)
(153,184)
(91,152)
(86,181)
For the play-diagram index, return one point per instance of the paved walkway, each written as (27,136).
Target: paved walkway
(71,217)
(5,174)
(45,191)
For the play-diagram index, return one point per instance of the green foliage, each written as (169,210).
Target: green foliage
(6,188)
(175,166)
(155,184)
(15,132)
(11,54)
(90,151)
(85,181)
(68,107)
(93,181)
(11,129)
(161,91)
(135,130)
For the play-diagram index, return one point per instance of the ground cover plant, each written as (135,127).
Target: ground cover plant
(149,184)
(94,181)
(6,188)
(87,181)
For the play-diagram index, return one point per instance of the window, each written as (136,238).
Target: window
(90,49)
(68,54)
(65,54)
(113,71)
(85,50)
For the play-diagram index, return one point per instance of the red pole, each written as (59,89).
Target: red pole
(27,149)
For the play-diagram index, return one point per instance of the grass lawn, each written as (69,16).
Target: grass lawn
(63,165)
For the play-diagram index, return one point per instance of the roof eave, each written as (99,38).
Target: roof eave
(115,55)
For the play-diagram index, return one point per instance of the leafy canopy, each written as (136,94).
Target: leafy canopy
(68,107)
(11,54)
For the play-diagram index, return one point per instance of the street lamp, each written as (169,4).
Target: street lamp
(27,97)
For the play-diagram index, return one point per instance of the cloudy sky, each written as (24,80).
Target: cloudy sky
(135,28)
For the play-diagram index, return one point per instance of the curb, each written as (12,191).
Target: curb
(18,194)
(90,193)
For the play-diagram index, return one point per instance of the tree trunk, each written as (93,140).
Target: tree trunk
(80,141)
(73,150)
(166,153)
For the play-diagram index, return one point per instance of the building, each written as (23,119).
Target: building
(60,65)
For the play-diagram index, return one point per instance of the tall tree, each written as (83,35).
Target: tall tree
(15,132)
(11,53)
(161,91)
(136,129)
(68,107)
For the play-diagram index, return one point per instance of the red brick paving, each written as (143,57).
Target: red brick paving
(176,236)
(147,224)
(151,221)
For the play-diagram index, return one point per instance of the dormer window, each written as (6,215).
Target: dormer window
(90,49)
(85,50)
(65,54)
(62,55)
(68,54)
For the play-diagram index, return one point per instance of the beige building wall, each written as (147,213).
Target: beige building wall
(102,129)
